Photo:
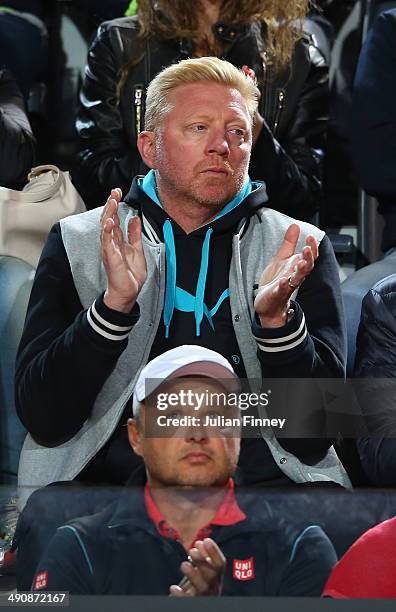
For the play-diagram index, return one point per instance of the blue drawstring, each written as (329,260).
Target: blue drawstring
(212,311)
(185,302)
(201,284)
(170,289)
(174,296)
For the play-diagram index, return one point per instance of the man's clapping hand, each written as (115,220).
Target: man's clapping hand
(124,262)
(204,572)
(285,272)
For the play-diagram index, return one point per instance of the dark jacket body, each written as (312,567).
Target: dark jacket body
(287,155)
(120,551)
(376,364)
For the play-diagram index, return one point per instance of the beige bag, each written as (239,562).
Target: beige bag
(27,216)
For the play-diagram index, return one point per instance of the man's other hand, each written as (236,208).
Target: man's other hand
(204,572)
(124,262)
(285,272)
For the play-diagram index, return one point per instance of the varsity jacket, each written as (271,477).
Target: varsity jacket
(127,549)
(294,104)
(50,366)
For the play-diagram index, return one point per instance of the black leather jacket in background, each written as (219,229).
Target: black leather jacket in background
(287,155)
(376,364)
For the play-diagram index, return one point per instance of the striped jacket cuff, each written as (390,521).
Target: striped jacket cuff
(283,341)
(111,324)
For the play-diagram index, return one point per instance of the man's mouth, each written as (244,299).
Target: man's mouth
(217,171)
(196,457)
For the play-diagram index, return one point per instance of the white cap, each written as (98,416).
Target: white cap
(186,360)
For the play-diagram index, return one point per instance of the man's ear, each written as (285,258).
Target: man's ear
(135,436)
(146,146)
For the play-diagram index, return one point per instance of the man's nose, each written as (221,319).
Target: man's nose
(218,143)
(196,433)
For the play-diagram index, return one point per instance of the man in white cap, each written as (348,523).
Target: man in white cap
(185,535)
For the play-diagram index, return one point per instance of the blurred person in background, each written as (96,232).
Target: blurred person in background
(24,41)
(374,121)
(265,37)
(17,143)
(367,570)
(342,21)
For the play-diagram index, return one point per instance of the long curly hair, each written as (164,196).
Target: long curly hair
(169,19)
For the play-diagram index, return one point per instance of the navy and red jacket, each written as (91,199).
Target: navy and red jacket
(129,549)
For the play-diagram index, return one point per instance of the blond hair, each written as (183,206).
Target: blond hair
(197,70)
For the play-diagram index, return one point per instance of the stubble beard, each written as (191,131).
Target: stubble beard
(187,477)
(191,480)
(191,193)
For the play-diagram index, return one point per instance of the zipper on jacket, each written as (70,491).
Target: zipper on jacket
(265,66)
(138,94)
(266,89)
(273,99)
(280,106)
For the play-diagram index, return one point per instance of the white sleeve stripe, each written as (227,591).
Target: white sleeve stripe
(286,347)
(241,230)
(103,333)
(283,338)
(150,232)
(106,323)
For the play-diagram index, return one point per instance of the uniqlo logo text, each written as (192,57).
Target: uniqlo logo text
(41,581)
(243,569)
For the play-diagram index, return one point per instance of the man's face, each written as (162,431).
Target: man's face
(202,150)
(190,455)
